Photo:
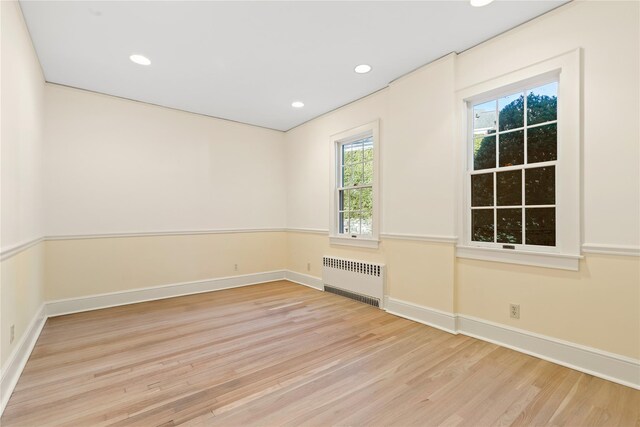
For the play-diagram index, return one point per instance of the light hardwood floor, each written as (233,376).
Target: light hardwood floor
(283,354)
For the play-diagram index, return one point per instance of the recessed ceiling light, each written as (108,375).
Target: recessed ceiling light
(297,104)
(362,68)
(140,59)
(480,3)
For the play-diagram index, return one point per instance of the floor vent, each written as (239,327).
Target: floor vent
(354,296)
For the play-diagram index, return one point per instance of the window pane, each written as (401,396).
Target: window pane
(511,112)
(354,199)
(512,148)
(343,200)
(368,173)
(356,152)
(541,226)
(354,223)
(343,225)
(368,149)
(542,104)
(346,176)
(484,152)
(542,143)
(482,190)
(366,198)
(540,186)
(509,226)
(485,117)
(356,171)
(482,225)
(366,226)
(346,154)
(509,188)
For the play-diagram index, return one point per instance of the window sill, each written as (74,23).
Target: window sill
(537,259)
(350,241)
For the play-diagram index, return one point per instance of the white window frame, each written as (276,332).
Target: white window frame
(337,141)
(565,69)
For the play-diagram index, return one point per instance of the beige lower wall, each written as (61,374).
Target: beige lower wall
(21,295)
(417,271)
(81,267)
(598,306)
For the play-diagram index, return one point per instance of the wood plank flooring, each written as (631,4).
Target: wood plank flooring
(281,354)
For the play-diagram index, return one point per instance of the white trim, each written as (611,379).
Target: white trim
(361,242)
(308,230)
(12,368)
(609,366)
(15,250)
(613,367)
(133,296)
(419,237)
(304,279)
(164,233)
(536,259)
(625,250)
(418,313)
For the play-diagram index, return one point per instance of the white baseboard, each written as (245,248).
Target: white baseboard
(613,367)
(304,279)
(418,313)
(112,299)
(609,366)
(18,358)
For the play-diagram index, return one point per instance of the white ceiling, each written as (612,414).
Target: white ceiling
(247,61)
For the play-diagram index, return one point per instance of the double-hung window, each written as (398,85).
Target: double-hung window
(354,207)
(513,143)
(520,192)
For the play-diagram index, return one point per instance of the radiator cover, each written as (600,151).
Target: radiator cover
(356,278)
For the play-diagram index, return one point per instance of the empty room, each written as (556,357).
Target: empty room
(319,213)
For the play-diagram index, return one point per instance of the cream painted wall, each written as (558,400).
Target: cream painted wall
(82,267)
(21,133)
(419,179)
(598,306)
(21,294)
(416,137)
(21,122)
(309,159)
(118,166)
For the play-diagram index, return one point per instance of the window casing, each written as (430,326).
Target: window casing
(506,238)
(354,209)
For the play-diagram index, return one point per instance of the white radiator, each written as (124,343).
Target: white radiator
(359,280)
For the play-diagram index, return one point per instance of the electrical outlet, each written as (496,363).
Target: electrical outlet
(514,311)
(12,334)
(235,267)
(308,266)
